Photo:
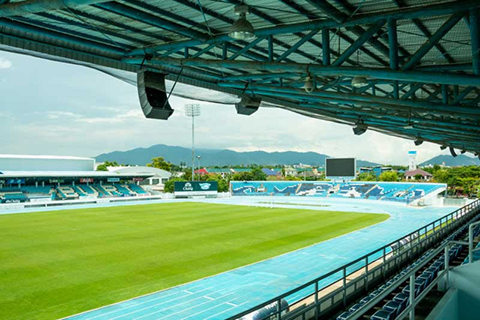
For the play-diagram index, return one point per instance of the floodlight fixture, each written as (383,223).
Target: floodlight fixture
(418,141)
(242,29)
(359,81)
(443,147)
(360,129)
(309,85)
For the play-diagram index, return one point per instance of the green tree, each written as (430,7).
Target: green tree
(388,176)
(160,163)
(418,177)
(170,184)
(106,164)
(366,176)
(441,176)
(258,174)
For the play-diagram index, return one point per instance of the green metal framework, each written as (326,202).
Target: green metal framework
(421,58)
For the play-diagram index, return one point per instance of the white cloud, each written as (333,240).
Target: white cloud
(5,64)
(62,114)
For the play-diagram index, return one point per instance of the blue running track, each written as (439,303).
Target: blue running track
(229,293)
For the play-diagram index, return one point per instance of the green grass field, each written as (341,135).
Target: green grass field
(58,263)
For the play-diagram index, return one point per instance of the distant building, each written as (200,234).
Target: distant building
(412,160)
(201,172)
(240,170)
(377,171)
(410,175)
(290,171)
(271,172)
(224,172)
(158,177)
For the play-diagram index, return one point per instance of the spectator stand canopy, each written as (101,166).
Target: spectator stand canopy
(405,68)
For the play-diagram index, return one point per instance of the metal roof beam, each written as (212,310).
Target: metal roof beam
(426,32)
(400,14)
(326,40)
(462,95)
(225,19)
(341,17)
(36,6)
(409,76)
(106,33)
(405,105)
(359,42)
(61,37)
(297,45)
(246,48)
(439,34)
(147,18)
(411,92)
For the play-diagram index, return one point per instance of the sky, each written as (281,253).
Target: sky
(53,108)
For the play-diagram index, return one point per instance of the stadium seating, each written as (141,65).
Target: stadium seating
(393,307)
(402,192)
(88,189)
(26,193)
(67,192)
(12,196)
(137,189)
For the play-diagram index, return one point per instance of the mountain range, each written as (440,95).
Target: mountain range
(448,160)
(225,157)
(215,157)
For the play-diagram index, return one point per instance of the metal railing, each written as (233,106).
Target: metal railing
(410,276)
(312,298)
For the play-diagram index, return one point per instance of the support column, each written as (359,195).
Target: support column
(444,94)
(326,46)
(270,48)
(475,36)
(393,53)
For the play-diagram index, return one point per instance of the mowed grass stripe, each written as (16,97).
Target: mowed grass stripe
(59,263)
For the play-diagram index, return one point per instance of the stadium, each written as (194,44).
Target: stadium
(77,243)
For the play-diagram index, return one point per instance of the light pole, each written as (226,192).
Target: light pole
(199,168)
(193,110)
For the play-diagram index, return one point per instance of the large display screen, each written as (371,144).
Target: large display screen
(340,167)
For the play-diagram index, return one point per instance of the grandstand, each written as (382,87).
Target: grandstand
(31,179)
(399,192)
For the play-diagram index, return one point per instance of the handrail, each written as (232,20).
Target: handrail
(434,227)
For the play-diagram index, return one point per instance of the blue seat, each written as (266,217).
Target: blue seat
(344,315)
(366,299)
(383,315)
(407,289)
(402,297)
(355,307)
(395,306)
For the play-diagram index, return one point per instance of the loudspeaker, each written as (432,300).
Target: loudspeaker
(248,105)
(452,151)
(153,96)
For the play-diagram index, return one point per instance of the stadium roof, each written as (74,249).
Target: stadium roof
(69,174)
(406,68)
(18,156)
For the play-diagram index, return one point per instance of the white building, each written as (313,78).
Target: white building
(412,160)
(157,178)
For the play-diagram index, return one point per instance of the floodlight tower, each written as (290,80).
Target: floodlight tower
(193,110)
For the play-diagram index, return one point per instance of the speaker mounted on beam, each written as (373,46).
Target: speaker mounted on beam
(248,105)
(153,95)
